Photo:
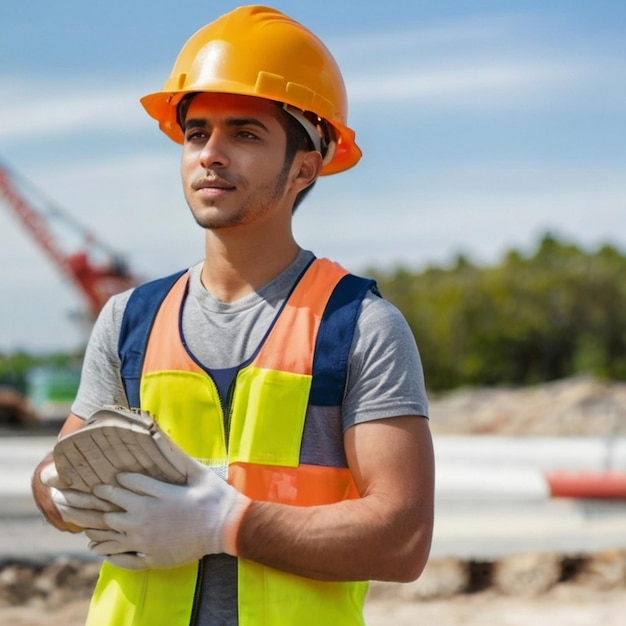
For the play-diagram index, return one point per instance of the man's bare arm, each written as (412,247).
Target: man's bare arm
(384,535)
(41,493)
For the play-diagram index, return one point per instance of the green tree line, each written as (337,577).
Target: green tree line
(555,312)
(549,314)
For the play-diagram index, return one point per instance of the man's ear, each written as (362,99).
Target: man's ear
(307,168)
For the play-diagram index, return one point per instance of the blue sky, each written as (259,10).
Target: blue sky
(483,125)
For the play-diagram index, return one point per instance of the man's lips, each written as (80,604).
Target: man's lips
(218,184)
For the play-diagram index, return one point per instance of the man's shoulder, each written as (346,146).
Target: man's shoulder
(377,309)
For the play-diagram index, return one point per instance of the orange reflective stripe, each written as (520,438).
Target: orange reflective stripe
(299,321)
(169,348)
(305,485)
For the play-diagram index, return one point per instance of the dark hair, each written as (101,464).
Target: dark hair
(182,107)
(297,139)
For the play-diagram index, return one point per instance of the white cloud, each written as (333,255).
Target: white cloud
(481,211)
(484,83)
(67,108)
(485,62)
(481,83)
(438,38)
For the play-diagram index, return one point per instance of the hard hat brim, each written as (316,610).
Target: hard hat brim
(163,105)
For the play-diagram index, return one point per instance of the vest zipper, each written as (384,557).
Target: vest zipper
(227,411)
(227,415)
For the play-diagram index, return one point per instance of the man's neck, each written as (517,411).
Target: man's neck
(231,272)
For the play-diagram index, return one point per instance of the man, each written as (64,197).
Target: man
(280,372)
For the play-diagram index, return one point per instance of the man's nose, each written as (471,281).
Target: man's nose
(213,153)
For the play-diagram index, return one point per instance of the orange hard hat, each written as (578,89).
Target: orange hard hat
(259,51)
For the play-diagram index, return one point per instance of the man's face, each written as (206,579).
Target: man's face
(233,163)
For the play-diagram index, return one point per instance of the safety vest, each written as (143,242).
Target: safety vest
(259,436)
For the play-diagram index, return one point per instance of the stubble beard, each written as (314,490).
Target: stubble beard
(266,196)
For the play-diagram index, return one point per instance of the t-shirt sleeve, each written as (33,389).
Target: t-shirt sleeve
(385,375)
(100,381)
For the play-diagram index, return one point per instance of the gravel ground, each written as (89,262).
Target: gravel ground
(565,605)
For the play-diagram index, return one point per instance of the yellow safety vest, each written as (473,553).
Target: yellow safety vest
(261,450)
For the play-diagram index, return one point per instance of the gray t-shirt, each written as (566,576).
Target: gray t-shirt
(385,377)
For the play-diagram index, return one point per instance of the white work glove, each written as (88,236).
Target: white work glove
(75,507)
(165,525)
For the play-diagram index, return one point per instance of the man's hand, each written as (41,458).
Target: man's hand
(77,509)
(163,525)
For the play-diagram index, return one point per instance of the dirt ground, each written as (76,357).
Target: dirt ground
(564,605)
(537,589)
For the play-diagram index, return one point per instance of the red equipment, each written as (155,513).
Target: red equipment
(95,282)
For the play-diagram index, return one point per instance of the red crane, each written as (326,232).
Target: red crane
(96,282)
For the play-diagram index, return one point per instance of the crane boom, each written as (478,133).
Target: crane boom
(95,282)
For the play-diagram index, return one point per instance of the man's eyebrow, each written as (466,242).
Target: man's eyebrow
(199,122)
(246,121)
(195,123)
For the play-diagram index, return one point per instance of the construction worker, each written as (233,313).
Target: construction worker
(295,389)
